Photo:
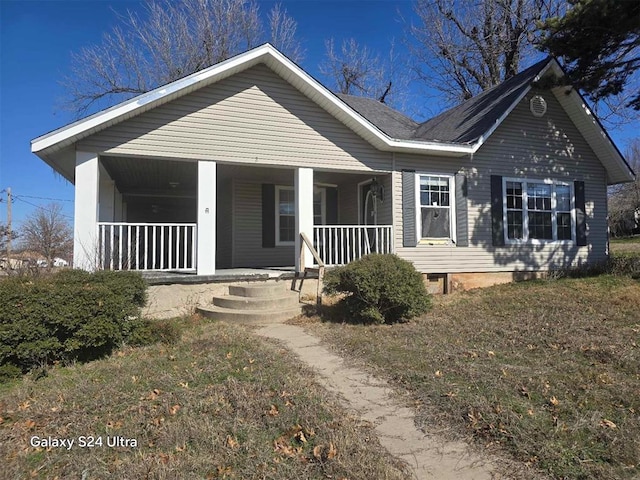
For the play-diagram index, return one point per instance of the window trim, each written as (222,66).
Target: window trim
(525,212)
(279,188)
(452,240)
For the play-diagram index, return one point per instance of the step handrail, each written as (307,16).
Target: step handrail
(316,256)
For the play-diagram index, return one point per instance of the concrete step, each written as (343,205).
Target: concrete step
(255,317)
(279,300)
(263,290)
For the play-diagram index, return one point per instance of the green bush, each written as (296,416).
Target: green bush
(379,289)
(73,315)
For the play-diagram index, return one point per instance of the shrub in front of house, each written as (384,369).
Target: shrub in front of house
(379,289)
(73,315)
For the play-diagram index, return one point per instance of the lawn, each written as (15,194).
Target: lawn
(625,245)
(548,371)
(219,403)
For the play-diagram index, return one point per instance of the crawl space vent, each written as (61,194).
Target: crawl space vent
(538,106)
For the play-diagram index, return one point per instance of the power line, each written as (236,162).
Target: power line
(44,198)
(40,207)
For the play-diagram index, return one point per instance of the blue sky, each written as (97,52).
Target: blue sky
(38,37)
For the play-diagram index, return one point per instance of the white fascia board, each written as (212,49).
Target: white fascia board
(129,107)
(272,58)
(600,136)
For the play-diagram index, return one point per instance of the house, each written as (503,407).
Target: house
(227,167)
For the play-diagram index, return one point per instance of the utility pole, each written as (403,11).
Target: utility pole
(9,227)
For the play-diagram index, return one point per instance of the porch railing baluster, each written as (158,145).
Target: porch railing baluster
(342,244)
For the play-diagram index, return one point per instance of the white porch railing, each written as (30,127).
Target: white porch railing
(146,246)
(341,244)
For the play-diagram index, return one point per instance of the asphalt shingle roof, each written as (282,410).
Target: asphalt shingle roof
(390,121)
(465,123)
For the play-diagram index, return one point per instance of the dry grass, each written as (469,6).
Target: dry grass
(625,245)
(220,403)
(548,371)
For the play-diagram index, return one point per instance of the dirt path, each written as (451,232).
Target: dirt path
(428,457)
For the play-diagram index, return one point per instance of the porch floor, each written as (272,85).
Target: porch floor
(221,275)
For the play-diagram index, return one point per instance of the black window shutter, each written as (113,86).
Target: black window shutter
(581,226)
(332,206)
(409,208)
(268,215)
(497,224)
(462,214)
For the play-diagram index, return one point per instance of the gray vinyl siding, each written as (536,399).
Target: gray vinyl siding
(526,147)
(348,201)
(247,231)
(254,117)
(224,234)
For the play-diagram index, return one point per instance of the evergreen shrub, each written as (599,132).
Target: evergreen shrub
(379,289)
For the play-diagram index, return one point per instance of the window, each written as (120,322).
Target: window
(319,205)
(285,216)
(537,210)
(286,212)
(435,199)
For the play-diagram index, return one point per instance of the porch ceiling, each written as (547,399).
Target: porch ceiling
(149,177)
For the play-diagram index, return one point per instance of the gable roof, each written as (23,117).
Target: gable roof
(456,132)
(472,119)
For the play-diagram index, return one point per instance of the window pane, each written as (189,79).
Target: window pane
(563,198)
(435,223)
(434,191)
(564,226)
(286,204)
(287,228)
(539,196)
(514,225)
(540,225)
(514,195)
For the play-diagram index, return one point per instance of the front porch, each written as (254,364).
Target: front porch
(197,218)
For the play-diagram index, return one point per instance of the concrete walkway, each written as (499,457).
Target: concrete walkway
(428,457)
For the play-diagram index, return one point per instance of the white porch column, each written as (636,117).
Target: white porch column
(206,244)
(304,213)
(85,230)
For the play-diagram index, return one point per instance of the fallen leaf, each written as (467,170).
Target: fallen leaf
(608,424)
(174,409)
(333,451)
(231,442)
(554,401)
(181,448)
(317,451)
(491,353)
(229,355)
(273,411)
(438,373)
(29,424)
(164,458)
(24,405)
(184,384)
(300,437)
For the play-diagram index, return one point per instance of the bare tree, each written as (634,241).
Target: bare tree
(282,29)
(169,40)
(356,70)
(624,199)
(463,48)
(47,232)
